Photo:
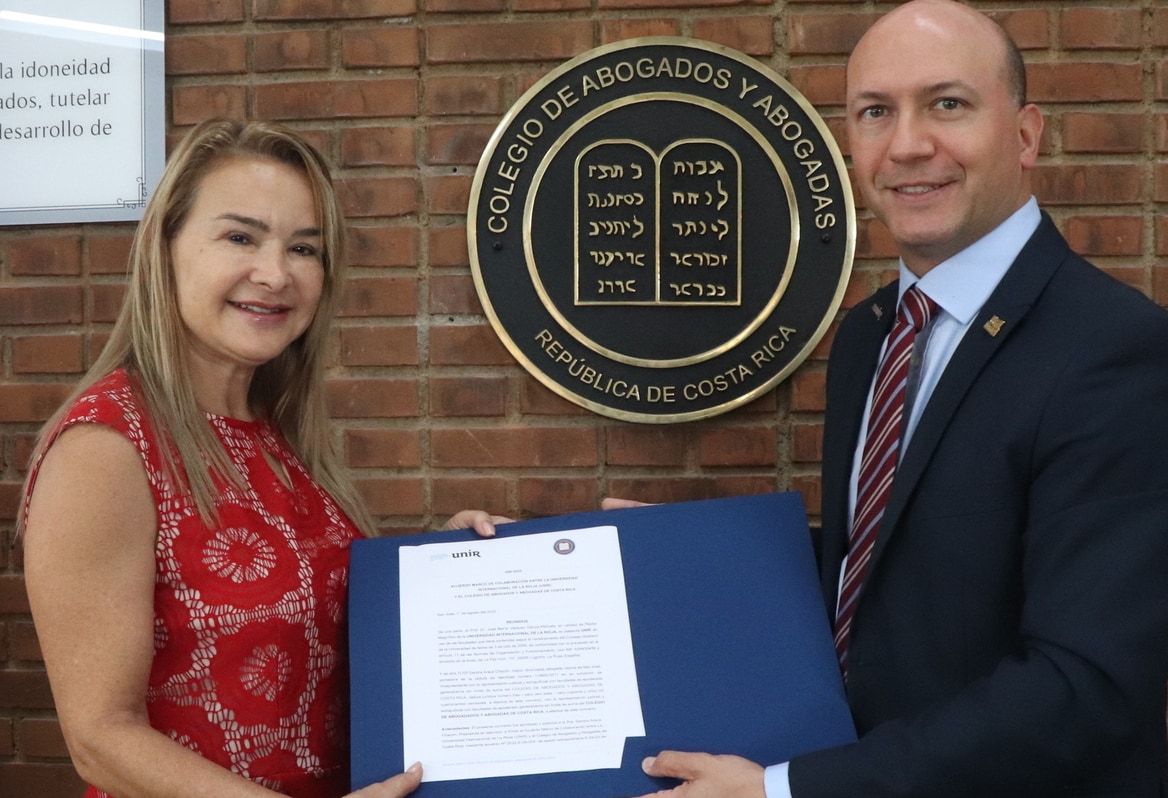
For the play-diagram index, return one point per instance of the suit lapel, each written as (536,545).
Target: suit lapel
(1003,313)
(850,376)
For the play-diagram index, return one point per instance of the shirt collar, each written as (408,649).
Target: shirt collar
(963,283)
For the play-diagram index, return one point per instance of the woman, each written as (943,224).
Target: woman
(186,522)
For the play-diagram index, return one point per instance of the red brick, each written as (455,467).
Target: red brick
(1084,82)
(654,445)
(28,689)
(614,30)
(383,448)
(392,495)
(23,644)
(513,447)
(389,97)
(1105,235)
(825,33)
(467,345)
(380,296)
(807,443)
(536,399)
(183,12)
(47,354)
(378,196)
(456,144)
(41,305)
(808,391)
(1030,29)
(448,246)
(213,54)
(1160,286)
(372,398)
(507,41)
(31,401)
(395,246)
(1107,133)
(449,193)
(737,446)
(1162,80)
(44,780)
(811,488)
(1160,189)
(450,95)
(379,346)
(192,104)
(463,6)
(469,493)
(558,495)
(378,146)
(550,5)
(44,256)
(105,301)
(288,50)
(108,254)
(312,10)
(1078,184)
(13,598)
(453,294)
(1160,27)
(664,489)
(604,4)
(41,738)
(374,48)
(1102,28)
(467,396)
(753,35)
(1161,236)
(821,85)
(7,738)
(9,495)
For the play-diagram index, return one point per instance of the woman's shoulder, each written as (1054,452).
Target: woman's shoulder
(112,400)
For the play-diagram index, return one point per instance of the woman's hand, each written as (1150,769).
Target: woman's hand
(609,503)
(482,522)
(399,785)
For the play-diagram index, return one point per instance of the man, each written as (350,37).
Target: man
(1006,633)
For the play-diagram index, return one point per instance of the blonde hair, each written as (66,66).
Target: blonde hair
(148,337)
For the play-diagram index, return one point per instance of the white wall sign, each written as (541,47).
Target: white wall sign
(82,126)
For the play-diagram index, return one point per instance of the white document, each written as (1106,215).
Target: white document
(517,656)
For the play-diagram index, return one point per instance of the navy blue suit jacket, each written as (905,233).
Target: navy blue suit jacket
(1011,638)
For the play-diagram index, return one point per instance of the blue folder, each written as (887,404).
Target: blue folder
(731,639)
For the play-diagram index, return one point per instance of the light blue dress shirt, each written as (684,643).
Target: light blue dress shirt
(960,286)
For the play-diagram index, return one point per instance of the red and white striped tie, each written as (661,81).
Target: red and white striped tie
(881,448)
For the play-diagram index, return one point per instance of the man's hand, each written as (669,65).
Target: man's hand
(706,775)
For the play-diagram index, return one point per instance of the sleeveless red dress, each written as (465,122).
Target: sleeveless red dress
(250,665)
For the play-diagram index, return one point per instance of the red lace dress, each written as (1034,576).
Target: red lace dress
(250,662)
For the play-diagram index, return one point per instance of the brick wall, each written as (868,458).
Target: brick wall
(432,413)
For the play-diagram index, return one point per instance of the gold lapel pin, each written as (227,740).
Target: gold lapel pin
(994,326)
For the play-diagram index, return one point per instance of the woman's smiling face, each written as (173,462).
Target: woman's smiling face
(248,265)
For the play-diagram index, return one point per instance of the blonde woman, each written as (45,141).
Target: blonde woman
(186,523)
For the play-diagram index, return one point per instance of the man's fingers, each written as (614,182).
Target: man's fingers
(673,765)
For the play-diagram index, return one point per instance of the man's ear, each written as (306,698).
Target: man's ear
(1030,126)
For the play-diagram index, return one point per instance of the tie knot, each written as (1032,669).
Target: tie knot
(916,308)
